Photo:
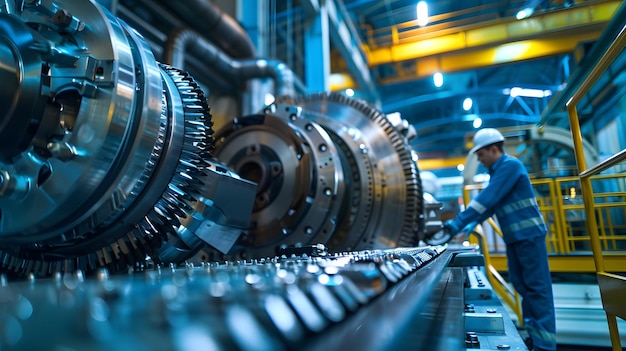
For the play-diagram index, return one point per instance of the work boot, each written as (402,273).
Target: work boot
(529,343)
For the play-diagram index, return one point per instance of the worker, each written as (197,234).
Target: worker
(509,195)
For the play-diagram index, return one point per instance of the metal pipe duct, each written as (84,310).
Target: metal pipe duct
(183,40)
(206,18)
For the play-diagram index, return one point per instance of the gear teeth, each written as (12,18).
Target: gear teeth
(414,198)
(158,226)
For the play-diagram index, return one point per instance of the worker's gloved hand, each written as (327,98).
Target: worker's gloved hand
(469,228)
(451,227)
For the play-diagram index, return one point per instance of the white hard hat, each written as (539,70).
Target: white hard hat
(484,137)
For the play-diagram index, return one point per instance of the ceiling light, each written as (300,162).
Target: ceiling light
(438,79)
(422,13)
(467,104)
(477,122)
(349,92)
(511,51)
(524,13)
(524,92)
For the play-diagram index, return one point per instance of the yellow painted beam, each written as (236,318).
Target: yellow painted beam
(341,81)
(496,42)
(570,263)
(490,56)
(439,163)
(566,24)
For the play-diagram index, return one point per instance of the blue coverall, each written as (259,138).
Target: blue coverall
(510,196)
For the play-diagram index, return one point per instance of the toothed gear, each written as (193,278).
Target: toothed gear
(378,199)
(111,150)
(382,181)
(298,172)
(157,231)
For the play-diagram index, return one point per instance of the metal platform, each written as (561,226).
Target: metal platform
(413,298)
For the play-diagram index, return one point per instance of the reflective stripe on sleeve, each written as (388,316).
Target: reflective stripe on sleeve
(477,206)
(518,205)
(530,222)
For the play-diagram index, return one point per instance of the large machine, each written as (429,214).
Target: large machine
(271,229)
(105,152)
(108,158)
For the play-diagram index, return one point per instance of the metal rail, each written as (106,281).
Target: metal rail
(568,244)
(612,286)
(564,215)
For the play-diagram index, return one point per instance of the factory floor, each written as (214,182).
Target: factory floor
(581,348)
(565,347)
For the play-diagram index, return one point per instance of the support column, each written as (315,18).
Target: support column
(253,16)
(317,48)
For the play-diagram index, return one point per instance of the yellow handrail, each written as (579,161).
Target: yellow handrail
(562,207)
(612,287)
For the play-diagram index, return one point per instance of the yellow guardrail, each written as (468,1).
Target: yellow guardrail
(561,203)
(612,286)
(587,212)
(569,217)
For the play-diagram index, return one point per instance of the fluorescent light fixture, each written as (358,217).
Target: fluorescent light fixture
(422,13)
(467,104)
(438,79)
(511,52)
(524,92)
(477,122)
(524,13)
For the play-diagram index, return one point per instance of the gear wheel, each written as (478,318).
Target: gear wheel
(298,172)
(374,196)
(382,181)
(184,143)
(110,163)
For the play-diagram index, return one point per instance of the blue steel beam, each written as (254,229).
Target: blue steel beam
(250,15)
(317,49)
(346,39)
